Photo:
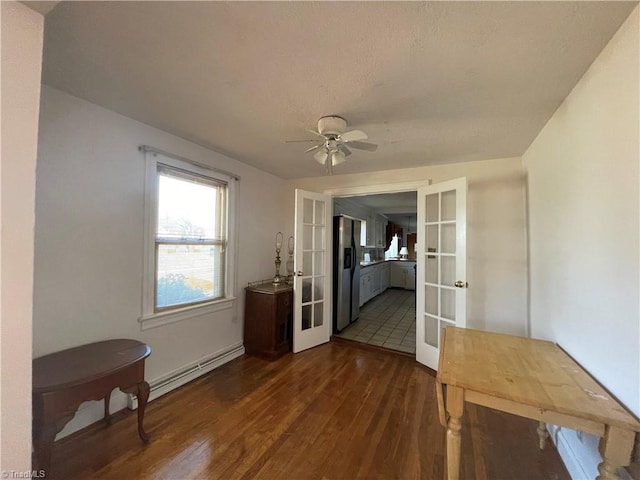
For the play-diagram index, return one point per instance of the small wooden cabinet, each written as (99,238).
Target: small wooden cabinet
(268,320)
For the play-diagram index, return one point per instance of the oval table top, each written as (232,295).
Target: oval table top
(80,365)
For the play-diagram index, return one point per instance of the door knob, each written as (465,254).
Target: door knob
(461,284)
(299,273)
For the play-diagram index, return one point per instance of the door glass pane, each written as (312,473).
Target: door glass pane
(307,264)
(318,290)
(319,241)
(317,314)
(306,317)
(431,330)
(448,205)
(307,239)
(448,271)
(307,211)
(449,238)
(319,212)
(432,238)
(318,265)
(433,208)
(432,269)
(306,289)
(431,300)
(448,304)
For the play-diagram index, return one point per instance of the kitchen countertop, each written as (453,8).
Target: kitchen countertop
(376,262)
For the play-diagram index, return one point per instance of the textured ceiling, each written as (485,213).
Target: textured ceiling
(430,82)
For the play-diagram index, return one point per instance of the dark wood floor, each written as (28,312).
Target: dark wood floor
(333,412)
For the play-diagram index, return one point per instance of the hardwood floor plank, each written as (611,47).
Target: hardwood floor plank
(331,413)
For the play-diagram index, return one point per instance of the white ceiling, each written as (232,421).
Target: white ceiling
(430,82)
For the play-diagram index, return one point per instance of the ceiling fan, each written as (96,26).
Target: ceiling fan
(332,147)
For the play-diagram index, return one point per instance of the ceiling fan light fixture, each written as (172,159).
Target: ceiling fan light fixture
(321,156)
(331,149)
(337,157)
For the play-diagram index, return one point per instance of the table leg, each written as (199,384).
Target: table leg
(615,448)
(143,396)
(107,416)
(542,434)
(43,438)
(141,391)
(455,405)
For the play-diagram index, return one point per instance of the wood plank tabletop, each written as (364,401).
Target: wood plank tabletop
(532,372)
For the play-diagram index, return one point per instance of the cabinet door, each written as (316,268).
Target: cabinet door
(371,230)
(363,292)
(410,279)
(381,225)
(397,275)
(385,276)
(375,288)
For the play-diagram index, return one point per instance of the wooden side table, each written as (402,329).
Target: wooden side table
(268,320)
(63,380)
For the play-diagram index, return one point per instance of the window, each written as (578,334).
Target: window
(392,252)
(189,240)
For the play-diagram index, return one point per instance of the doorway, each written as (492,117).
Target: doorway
(386,321)
(387,315)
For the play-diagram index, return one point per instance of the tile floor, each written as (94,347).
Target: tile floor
(388,320)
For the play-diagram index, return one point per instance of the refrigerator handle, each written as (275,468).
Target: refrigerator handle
(353,258)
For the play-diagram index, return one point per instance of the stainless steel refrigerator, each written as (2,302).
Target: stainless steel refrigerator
(346,271)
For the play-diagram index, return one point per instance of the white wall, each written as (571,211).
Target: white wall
(89,238)
(583,200)
(496,240)
(21,64)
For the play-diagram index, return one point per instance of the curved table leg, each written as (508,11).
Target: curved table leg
(141,391)
(107,416)
(143,396)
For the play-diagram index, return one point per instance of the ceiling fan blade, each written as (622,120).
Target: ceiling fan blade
(344,150)
(300,141)
(321,156)
(312,148)
(371,147)
(353,136)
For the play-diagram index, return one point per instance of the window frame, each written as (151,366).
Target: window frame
(152,317)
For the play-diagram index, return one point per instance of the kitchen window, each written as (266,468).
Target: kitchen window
(189,258)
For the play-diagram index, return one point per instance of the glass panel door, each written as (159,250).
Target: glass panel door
(441,265)
(311,286)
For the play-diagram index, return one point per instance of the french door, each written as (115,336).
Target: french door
(312,284)
(441,265)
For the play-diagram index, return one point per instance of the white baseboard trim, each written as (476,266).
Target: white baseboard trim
(187,373)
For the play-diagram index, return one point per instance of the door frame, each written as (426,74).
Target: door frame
(361,190)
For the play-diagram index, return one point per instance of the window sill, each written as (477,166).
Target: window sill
(164,318)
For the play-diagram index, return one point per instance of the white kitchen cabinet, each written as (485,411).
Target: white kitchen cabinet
(380,234)
(403,275)
(385,269)
(366,277)
(375,281)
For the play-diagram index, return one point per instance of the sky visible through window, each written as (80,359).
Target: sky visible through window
(186,208)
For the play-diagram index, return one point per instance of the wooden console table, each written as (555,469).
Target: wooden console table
(63,380)
(531,378)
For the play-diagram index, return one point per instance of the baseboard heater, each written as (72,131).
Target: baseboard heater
(187,373)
